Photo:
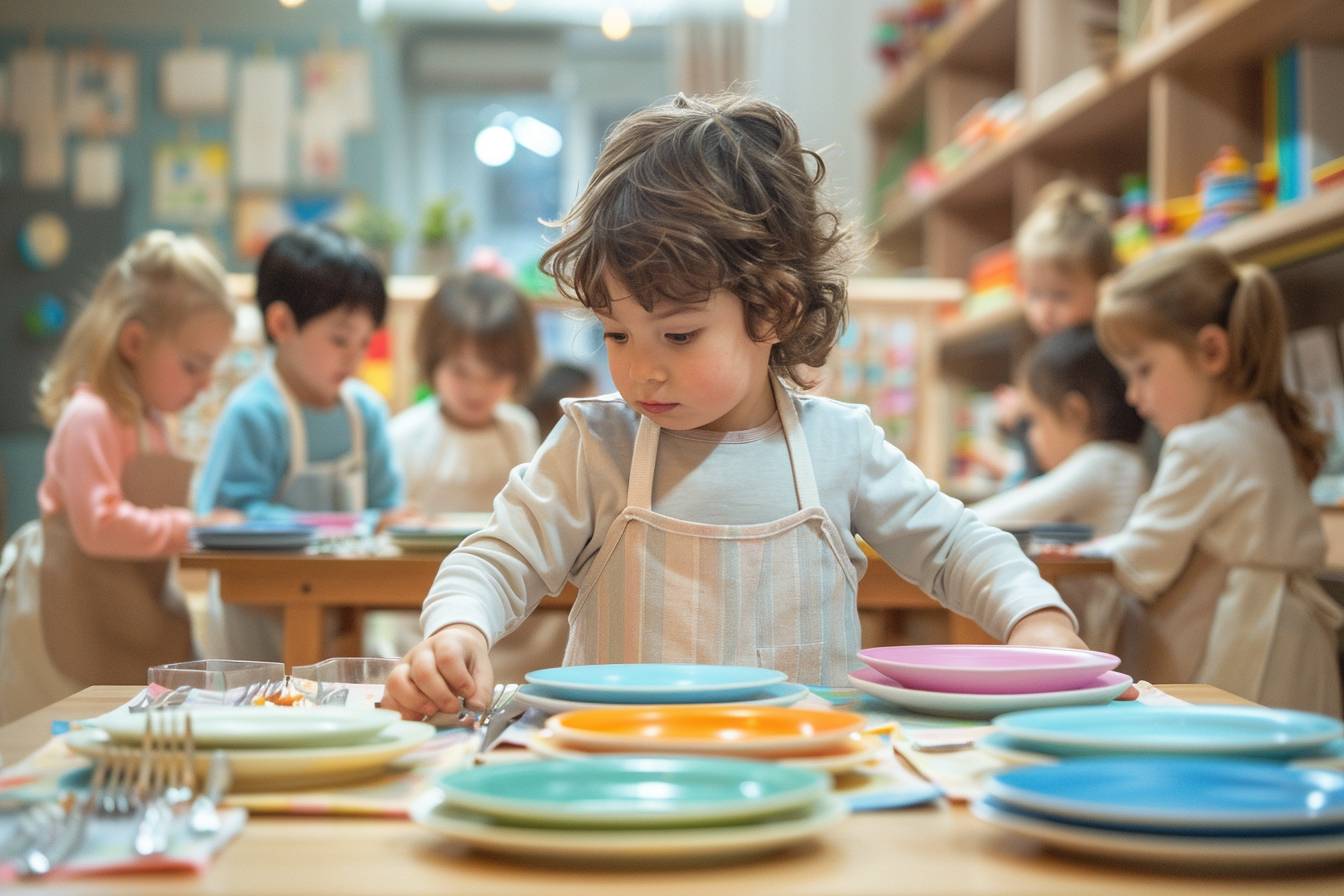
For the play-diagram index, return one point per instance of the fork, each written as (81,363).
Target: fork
(174,697)
(167,779)
(499,705)
(39,828)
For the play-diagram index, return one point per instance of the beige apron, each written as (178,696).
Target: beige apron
(332,486)
(1232,627)
(106,619)
(779,595)
(28,680)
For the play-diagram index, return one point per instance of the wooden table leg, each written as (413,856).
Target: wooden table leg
(303,634)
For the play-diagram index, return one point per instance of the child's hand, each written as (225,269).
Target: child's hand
(1048,627)
(222,516)
(446,670)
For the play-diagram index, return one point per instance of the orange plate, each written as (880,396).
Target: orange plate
(758,730)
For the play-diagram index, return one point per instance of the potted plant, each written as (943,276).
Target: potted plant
(380,231)
(443,227)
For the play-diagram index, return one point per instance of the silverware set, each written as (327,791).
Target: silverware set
(155,785)
(483,722)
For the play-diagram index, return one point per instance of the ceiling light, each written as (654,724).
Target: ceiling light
(537,136)
(494,146)
(615,23)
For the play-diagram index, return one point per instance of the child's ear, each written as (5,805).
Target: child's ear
(1213,351)
(132,340)
(280,323)
(1076,412)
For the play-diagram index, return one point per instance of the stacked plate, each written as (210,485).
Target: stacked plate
(1209,731)
(441,533)
(255,536)
(974,681)
(819,739)
(271,747)
(567,688)
(1218,814)
(623,808)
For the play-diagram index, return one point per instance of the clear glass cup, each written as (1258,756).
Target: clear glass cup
(361,677)
(215,675)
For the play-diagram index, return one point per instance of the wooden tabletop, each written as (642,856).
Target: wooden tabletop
(931,850)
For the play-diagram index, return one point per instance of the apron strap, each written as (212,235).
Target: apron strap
(804,477)
(356,427)
(298,436)
(640,492)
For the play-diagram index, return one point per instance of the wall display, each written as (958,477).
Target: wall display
(100,92)
(191,183)
(340,79)
(257,217)
(194,81)
(262,121)
(98,175)
(34,87)
(44,241)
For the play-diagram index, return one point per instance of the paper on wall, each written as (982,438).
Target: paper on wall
(322,144)
(34,75)
(43,154)
(340,80)
(191,183)
(195,81)
(100,92)
(97,173)
(261,122)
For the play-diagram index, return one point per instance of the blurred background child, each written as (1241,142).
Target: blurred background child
(1084,435)
(91,597)
(303,435)
(476,345)
(1064,250)
(560,380)
(1223,549)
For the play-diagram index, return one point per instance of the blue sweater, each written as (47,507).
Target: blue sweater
(249,452)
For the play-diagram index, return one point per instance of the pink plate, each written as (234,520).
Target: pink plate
(989,668)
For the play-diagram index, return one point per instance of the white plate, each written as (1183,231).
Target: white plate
(259,727)
(985,706)
(290,769)
(690,845)
(859,750)
(785,694)
(1211,853)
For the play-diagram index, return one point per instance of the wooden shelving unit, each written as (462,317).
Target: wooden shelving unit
(1163,107)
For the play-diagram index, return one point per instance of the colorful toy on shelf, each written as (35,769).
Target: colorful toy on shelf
(992,283)
(1328,175)
(1132,232)
(1228,190)
(904,29)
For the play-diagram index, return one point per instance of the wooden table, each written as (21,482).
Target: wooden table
(929,850)
(307,586)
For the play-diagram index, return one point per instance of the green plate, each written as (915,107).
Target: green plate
(632,791)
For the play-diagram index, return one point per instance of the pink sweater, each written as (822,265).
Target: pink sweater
(85,458)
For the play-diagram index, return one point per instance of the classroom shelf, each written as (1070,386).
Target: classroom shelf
(972,40)
(1286,232)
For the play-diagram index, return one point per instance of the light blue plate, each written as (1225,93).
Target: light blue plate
(654,682)
(254,536)
(633,791)
(1172,793)
(1246,731)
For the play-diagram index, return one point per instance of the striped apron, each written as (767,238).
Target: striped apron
(779,595)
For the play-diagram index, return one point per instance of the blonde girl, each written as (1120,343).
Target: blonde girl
(89,596)
(1223,549)
(1064,251)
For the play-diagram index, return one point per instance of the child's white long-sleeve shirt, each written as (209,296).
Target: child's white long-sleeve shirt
(551,519)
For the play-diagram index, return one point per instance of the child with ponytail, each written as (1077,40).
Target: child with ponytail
(1222,550)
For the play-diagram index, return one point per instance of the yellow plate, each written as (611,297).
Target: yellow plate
(291,769)
(726,730)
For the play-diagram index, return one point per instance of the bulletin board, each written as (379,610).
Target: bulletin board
(96,236)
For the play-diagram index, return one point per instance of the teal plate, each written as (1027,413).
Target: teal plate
(1248,731)
(655,682)
(632,791)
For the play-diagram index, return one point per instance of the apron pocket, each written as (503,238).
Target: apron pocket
(801,662)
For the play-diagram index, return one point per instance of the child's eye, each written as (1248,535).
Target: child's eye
(681,338)
(618,338)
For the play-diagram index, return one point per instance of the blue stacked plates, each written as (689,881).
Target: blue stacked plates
(254,536)
(1212,813)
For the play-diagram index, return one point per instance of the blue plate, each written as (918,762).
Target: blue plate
(1170,793)
(655,682)
(633,791)
(254,536)
(1246,731)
